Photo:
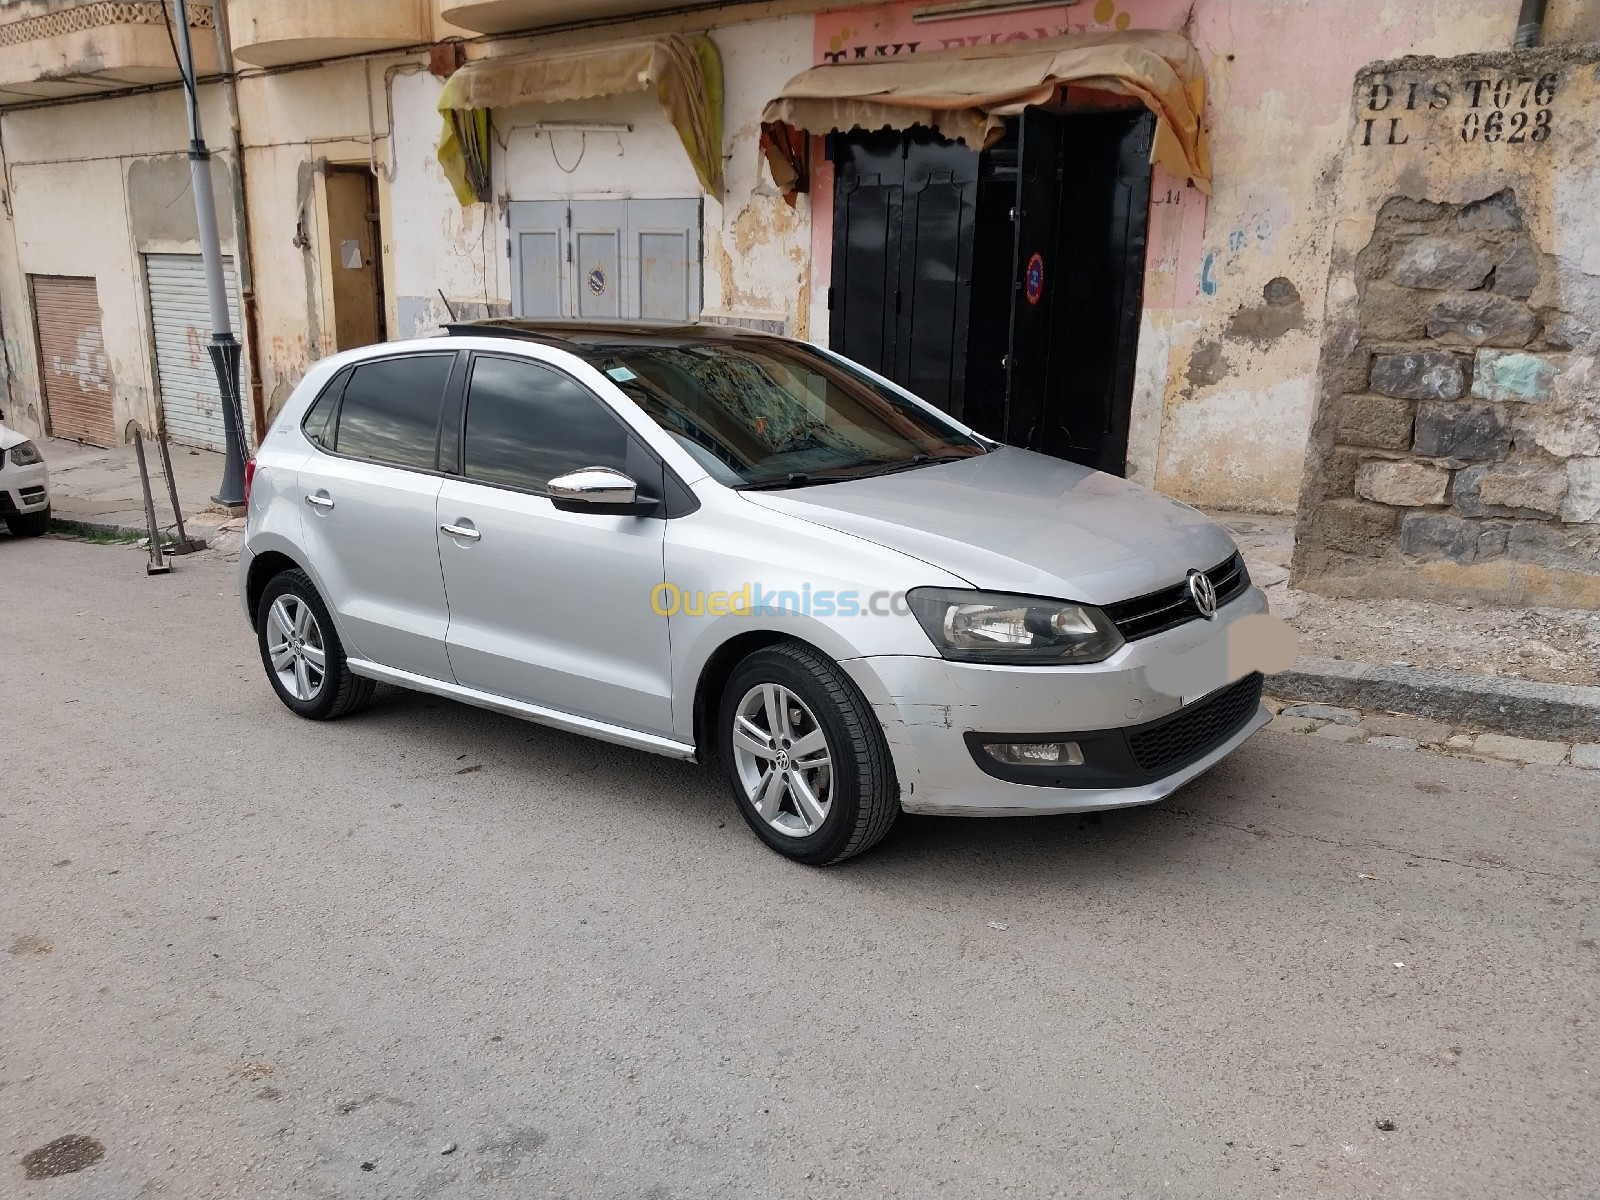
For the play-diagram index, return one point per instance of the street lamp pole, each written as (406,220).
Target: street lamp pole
(224,348)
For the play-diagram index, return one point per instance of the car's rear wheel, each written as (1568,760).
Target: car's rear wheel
(29,524)
(806,758)
(301,651)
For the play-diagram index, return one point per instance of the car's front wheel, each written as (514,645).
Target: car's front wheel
(301,651)
(31,524)
(805,755)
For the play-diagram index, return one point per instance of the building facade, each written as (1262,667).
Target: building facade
(1041,278)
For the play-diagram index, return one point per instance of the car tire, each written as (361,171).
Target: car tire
(291,620)
(32,524)
(811,696)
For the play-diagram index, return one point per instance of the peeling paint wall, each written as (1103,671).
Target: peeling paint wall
(92,187)
(293,125)
(758,249)
(756,263)
(440,247)
(1233,397)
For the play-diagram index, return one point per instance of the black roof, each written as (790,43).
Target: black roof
(591,332)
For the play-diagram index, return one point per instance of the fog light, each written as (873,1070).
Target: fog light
(1036,754)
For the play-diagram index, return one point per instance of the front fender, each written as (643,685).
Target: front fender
(836,591)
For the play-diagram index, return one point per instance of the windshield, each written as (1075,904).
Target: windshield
(771,413)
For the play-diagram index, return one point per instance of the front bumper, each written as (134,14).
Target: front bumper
(24,489)
(928,706)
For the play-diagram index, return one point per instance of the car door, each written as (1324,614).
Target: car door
(369,492)
(549,607)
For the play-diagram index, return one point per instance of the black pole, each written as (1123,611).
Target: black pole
(224,348)
(1530,25)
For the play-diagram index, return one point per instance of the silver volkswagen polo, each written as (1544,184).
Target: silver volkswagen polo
(719,545)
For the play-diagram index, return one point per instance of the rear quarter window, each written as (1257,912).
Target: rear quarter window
(318,422)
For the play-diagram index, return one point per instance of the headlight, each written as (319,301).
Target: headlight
(994,628)
(25,454)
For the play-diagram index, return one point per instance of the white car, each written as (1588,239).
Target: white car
(716,544)
(24,485)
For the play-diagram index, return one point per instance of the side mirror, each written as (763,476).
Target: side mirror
(599,490)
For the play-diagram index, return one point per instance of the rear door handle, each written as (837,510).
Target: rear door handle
(320,500)
(462,531)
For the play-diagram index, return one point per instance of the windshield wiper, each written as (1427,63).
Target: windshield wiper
(796,479)
(908,464)
(801,479)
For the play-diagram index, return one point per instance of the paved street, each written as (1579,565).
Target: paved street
(256,956)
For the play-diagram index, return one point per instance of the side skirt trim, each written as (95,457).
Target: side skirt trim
(588,726)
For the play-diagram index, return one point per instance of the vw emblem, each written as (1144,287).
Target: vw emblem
(781,760)
(1204,594)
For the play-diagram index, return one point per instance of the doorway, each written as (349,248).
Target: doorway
(1003,286)
(355,235)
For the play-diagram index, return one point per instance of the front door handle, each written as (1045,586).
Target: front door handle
(320,500)
(462,531)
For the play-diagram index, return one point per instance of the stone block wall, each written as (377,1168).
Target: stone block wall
(1456,448)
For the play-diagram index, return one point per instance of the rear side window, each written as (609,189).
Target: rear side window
(526,424)
(390,411)
(318,424)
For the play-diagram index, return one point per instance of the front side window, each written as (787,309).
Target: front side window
(390,410)
(527,423)
(760,413)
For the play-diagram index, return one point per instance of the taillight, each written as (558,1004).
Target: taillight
(249,478)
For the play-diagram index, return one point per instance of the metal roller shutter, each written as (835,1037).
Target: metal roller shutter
(180,317)
(72,355)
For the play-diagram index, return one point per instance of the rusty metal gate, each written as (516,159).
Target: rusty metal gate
(180,318)
(73,371)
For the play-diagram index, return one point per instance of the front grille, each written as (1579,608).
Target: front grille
(1156,612)
(1192,732)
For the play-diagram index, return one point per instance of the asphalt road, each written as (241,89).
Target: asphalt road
(251,955)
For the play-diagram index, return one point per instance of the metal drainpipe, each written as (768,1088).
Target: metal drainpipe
(241,221)
(1530,25)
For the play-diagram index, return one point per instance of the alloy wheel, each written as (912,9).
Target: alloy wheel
(783,761)
(294,643)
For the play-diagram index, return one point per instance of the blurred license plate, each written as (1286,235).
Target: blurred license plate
(1259,642)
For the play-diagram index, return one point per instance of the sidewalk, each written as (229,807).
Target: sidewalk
(1531,672)
(1545,645)
(98,490)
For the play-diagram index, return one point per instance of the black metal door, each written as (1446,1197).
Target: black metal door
(902,258)
(1074,350)
(1032,351)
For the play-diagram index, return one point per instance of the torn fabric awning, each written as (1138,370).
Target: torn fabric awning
(965,93)
(684,72)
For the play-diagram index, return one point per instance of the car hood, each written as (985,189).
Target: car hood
(1017,521)
(9,437)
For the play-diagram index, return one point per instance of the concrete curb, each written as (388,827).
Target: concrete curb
(83,526)
(1561,711)
(202,532)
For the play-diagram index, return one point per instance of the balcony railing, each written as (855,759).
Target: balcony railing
(53,49)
